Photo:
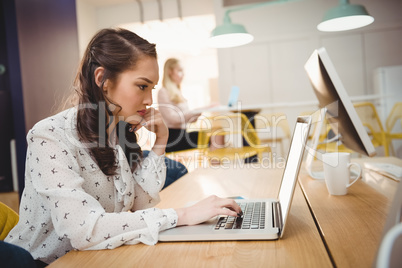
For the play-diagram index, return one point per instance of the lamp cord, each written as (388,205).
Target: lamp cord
(179,11)
(160,10)
(141,8)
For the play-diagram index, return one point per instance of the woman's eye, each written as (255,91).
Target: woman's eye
(142,87)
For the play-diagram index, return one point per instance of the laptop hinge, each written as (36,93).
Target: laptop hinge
(277,216)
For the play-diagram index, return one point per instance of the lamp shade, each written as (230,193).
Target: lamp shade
(229,35)
(345,17)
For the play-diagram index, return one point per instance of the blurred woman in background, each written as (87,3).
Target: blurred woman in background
(175,110)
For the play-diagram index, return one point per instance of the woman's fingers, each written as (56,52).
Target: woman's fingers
(230,204)
(207,208)
(229,212)
(225,206)
(150,120)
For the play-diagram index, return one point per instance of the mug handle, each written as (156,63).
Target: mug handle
(358,175)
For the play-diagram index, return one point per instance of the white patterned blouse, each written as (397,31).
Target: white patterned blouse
(69,203)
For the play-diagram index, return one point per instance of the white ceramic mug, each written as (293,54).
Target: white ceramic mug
(337,172)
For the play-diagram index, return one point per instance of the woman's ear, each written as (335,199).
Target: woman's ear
(99,73)
(170,72)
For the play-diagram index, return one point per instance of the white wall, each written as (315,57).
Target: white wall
(270,69)
(92,18)
(86,23)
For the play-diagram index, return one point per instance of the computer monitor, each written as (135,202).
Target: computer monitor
(331,94)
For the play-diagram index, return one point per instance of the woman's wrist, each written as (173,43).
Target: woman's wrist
(181,212)
(160,145)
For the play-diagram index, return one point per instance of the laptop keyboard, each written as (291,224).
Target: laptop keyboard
(253,217)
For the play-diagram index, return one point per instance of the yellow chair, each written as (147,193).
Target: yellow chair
(191,158)
(323,145)
(393,117)
(8,219)
(234,127)
(371,121)
(272,129)
(330,146)
(12,255)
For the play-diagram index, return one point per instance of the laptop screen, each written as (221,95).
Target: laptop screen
(293,163)
(234,96)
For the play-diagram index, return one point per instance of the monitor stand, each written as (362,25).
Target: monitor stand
(312,151)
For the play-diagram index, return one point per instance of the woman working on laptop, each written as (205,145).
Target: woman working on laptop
(87,185)
(175,111)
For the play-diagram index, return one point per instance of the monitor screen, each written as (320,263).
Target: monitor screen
(332,95)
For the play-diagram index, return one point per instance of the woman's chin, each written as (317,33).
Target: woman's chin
(134,119)
(133,123)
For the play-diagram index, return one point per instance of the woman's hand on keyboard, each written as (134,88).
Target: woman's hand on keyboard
(206,209)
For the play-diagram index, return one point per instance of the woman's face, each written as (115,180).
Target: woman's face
(176,74)
(133,90)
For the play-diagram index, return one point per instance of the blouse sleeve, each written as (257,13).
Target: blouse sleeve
(79,216)
(149,180)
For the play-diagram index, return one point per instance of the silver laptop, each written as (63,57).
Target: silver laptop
(262,219)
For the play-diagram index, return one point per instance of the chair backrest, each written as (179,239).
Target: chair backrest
(394,116)
(369,117)
(227,124)
(8,219)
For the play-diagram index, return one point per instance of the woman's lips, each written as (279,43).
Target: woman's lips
(142,112)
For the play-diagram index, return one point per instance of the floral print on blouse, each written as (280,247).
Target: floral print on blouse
(69,203)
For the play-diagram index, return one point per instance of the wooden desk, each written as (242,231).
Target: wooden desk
(301,245)
(351,225)
(382,184)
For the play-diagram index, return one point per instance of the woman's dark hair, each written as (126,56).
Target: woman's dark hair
(116,50)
